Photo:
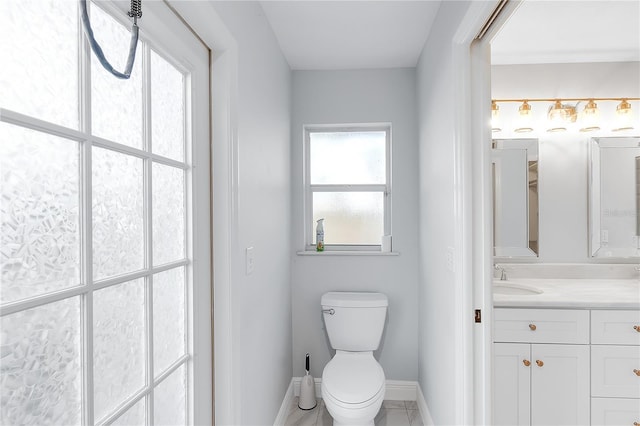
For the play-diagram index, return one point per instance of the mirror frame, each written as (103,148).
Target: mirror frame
(596,144)
(530,145)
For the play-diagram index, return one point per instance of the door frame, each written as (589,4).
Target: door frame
(474,209)
(203,19)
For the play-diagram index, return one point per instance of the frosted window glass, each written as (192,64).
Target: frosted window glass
(118,232)
(39,72)
(168,318)
(134,416)
(39,229)
(116,104)
(350,217)
(169,400)
(118,344)
(347,158)
(168,214)
(167,109)
(41,371)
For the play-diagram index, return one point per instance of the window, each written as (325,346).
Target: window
(347,183)
(97,236)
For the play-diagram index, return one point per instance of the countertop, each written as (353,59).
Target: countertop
(575,293)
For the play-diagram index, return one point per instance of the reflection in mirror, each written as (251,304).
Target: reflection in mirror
(515,197)
(613,197)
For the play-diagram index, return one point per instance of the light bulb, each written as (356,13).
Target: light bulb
(524,118)
(590,117)
(624,119)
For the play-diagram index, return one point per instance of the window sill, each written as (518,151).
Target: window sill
(347,253)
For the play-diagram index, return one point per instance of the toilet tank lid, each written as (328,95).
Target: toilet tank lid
(354,299)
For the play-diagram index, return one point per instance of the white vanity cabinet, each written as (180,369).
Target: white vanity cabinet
(541,367)
(615,367)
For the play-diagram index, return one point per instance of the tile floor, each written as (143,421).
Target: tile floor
(392,413)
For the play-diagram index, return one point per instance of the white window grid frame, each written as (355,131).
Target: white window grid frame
(309,189)
(88,285)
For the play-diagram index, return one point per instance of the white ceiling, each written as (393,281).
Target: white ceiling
(322,35)
(569,31)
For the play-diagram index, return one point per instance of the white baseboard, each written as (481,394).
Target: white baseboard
(423,408)
(401,390)
(396,390)
(281,418)
(296,386)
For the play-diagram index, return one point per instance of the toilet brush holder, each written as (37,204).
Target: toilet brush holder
(307,400)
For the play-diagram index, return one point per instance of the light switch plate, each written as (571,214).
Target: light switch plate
(450,258)
(249,260)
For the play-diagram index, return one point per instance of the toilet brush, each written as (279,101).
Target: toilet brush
(307,399)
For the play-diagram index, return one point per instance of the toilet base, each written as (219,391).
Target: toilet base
(371,423)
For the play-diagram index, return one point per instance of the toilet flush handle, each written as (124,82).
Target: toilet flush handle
(329,311)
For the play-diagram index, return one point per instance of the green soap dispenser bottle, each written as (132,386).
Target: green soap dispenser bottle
(320,235)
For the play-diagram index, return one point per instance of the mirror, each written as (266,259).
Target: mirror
(515,197)
(614,173)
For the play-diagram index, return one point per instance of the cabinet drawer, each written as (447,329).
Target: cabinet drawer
(615,412)
(612,371)
(615,327)
(541,326)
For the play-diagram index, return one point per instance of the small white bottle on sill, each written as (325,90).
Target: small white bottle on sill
(320,235)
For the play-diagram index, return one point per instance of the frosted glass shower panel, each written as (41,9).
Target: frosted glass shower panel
(167,109)
(168,214)
(116,104)
(118,232)
(119,344)
(168,319)
(39,72)
(39,229)
(350,217)
(169,407)
(347,158)
(40,378)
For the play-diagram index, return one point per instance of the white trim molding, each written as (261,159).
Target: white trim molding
(281,418)
(423,408)
(396,390)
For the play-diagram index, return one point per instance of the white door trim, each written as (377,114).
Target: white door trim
(472,221)
(207,24)
(474,210)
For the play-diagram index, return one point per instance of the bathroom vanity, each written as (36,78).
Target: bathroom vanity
(567,351)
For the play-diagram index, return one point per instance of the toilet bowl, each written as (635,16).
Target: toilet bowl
(353,388)
(353,383)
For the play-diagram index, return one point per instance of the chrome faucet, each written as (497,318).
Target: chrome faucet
(503,274)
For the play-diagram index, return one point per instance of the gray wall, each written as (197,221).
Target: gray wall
(334,97)
(563,166)
(261,308)
(437,349)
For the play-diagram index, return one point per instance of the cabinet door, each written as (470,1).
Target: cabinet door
(615,412)
(615,371)
(560,385)
(512,384)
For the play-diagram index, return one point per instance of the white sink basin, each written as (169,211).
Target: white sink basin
(516,289)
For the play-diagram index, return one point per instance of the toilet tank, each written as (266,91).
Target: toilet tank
(354,321)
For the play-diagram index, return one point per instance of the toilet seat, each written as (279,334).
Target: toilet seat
(353,379)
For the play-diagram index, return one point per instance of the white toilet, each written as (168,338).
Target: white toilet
(353,383)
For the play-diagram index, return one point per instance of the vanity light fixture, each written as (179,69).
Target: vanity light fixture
(590,117)
(623,111)
(560,115)
(562,112)
(524,118)
(495,113)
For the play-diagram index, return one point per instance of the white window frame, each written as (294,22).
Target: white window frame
(186,55)
(309,189)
